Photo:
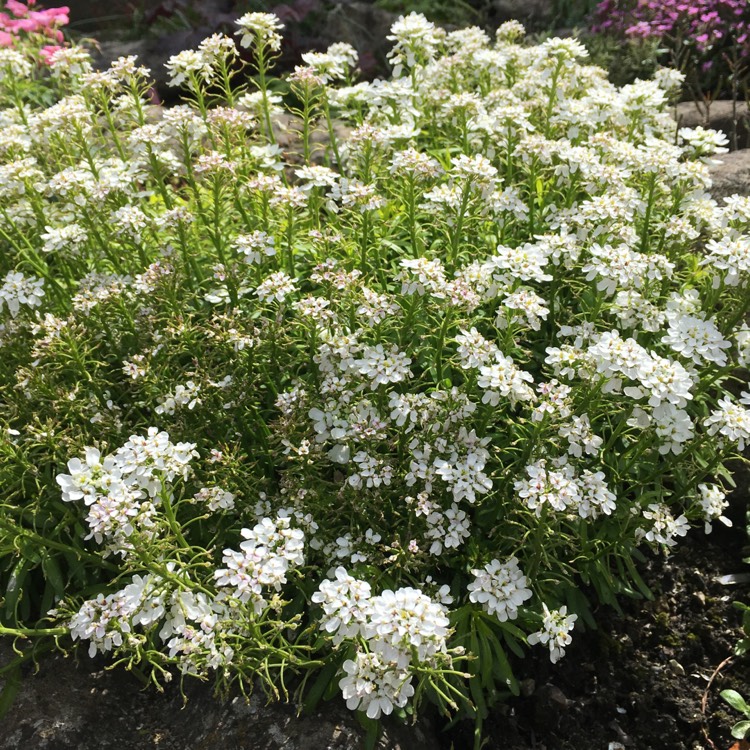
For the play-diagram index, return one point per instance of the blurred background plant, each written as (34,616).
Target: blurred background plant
(708,40)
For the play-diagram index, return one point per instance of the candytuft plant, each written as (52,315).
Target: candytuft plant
(370,414)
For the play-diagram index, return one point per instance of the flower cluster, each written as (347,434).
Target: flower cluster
(269,551)
(704,23)
(708,39)
(122,490)
(397,630)
(555,633)
(20,21)
(501,588)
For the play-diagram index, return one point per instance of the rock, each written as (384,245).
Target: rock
(731,175)
(676,667)
(88,13)
(528,686)
(552,697)
(719,116)
(534,14)
(67,706)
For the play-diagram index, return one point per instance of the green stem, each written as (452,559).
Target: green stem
(32,632)
(43,541)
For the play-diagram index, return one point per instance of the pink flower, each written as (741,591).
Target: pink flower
(47,51)
(16,8)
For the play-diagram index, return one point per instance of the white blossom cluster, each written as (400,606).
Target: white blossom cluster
(554,485)
(557,625)
(398,628)
(271,549)
(121,491)
(475,317)
(18,290)
(501,588)
(188,623)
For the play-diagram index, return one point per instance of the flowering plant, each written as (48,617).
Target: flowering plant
(19,23)
(708,39)
(378,409)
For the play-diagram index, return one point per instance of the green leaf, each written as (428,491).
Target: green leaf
(52,574)
(740,730)
(325,679)
(477,696)
(736,701)
(372,729)
(501,665)
(15,587)
(8,694)
(637,580)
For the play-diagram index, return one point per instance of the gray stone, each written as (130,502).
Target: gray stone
(153,53)
(732,175)
(720,115)
(531,13)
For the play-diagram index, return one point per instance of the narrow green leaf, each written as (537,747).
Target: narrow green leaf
(325,679)
(10,689)
(15,587)
(53,575)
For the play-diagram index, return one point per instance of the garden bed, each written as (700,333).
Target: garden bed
(391,422)
(641,680)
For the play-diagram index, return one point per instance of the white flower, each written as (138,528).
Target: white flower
(474,349)
(580,436)
(465,475)
(713,503)
(71,236)
(260,30)
(730,255)
(103,621)
(276,286)
(731,420)
(185,64)
(383,366)
(448,529)
(416,41)
(501,588)
(673,427)
(346,603)
(557,625)
(556,487)
(374,685)
(215,498)
(271,549)
(407,619)
(697,339)
(18,290)
(503,379)
(183,395)
(526,263)
(665,527)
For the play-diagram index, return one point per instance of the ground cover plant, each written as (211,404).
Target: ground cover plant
(372,415)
